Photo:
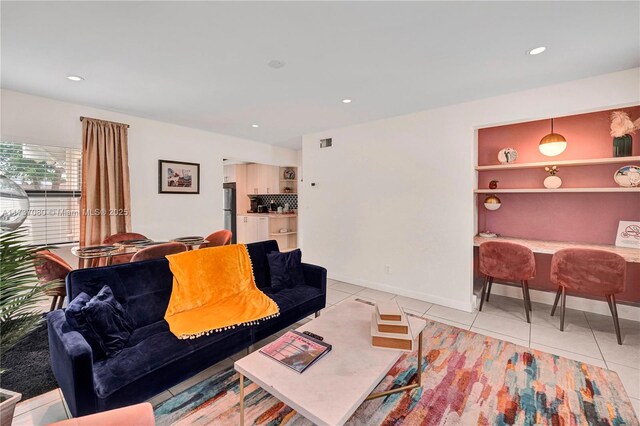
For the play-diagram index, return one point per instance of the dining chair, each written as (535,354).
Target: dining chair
(158,251)
(118,238)
(591,272)
(218,238)
(51,267)
(508,262)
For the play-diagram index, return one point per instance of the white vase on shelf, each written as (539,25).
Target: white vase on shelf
(552,182)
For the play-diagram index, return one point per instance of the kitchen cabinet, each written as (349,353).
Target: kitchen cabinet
(250,229)
(263,179)
(229,173)
(284,229)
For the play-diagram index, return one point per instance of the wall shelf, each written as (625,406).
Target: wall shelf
(564,163)
(545,190)
(275,234)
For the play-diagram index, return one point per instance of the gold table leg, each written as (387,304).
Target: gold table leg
(241,399)
(416,384)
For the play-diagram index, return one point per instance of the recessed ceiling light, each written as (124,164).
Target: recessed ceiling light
(255,125)
(537,50)
(275,63)
(74,77)
(346,101)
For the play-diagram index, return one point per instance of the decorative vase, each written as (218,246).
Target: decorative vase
(622,146)
(15,204)
(507,155)
(552,182)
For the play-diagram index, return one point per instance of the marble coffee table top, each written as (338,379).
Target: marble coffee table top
(331,390)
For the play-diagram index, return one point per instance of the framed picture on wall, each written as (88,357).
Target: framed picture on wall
(176,177)
(628,234)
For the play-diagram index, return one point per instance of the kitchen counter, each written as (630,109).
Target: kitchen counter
(271,215)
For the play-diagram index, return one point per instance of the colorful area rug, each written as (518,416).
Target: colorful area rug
(468,379)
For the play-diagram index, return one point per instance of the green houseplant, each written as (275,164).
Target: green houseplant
(20,294)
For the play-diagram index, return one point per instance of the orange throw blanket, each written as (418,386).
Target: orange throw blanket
(214,290)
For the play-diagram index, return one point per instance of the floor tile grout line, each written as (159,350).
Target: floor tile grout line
(474,320)
(596,339)
(495,332)
(64,406)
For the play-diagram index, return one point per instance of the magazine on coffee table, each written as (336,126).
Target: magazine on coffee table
(296,350)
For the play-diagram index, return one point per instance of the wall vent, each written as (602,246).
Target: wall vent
(325,143)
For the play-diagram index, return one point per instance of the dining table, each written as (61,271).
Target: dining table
(102,255)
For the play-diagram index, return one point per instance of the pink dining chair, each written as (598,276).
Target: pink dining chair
(51,267)
(118,238)
(218,238)
(590,272)
(157,251)
(508,262)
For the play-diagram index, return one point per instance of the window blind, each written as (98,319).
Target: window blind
(51,176)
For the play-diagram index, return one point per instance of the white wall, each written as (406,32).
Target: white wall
(32,119)
(399,191)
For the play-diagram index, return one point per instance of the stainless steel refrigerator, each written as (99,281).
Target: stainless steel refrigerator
(229,209)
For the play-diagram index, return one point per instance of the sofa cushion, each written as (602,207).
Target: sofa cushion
(286,269)
(77,321)
(258,254)
(289,298)
(143,288)
(154,350)
(150,348)
(109,321)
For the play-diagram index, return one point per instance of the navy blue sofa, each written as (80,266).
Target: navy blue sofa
(154,359)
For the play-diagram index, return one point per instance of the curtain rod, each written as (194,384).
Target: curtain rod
(114,122)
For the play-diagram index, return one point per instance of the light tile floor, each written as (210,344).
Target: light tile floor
(587,338)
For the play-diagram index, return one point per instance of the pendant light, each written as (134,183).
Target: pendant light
(492,203)
(553,144)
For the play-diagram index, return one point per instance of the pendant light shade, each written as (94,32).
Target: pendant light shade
(552,144)
(492,203)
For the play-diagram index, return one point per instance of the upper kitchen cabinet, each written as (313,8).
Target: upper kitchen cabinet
(263,179)
(229,173)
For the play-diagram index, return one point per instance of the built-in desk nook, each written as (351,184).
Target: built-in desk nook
(584,211)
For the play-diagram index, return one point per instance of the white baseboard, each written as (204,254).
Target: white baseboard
(431,298)
(580,303)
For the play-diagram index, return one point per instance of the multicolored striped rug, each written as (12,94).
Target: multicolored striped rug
(468,379)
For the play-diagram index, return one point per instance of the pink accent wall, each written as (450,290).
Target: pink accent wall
(579,217)
(587,137)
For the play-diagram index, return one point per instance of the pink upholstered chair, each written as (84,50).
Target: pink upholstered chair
(589,272)
(158,251)
(133,415)
(51,267)
(118,238)
(508,262)
(218,238)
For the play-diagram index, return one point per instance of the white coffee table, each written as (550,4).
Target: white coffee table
(331,390)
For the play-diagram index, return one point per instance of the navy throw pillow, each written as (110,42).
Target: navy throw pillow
(76,320)
(109,321)
(286,269)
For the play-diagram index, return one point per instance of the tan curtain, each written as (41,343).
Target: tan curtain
(106,200)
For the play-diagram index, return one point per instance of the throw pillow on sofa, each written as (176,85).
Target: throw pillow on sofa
(286,269)
(76,320)
(109,321)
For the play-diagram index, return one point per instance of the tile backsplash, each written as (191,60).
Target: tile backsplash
(279,199)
